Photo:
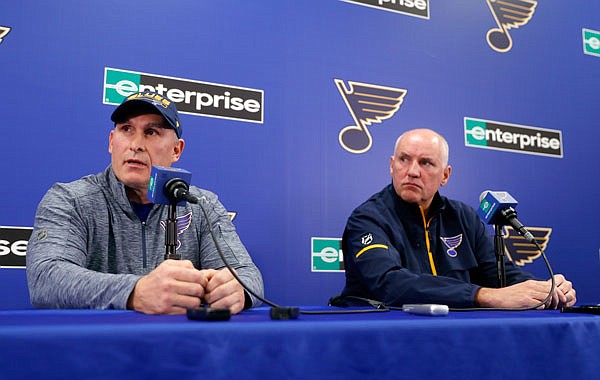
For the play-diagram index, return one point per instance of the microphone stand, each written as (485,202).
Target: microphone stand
(499,251)
(171,233)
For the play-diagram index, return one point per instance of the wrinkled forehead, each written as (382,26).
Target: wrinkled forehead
(419,145)
(422,145)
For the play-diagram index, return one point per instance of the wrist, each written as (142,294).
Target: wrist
(130,305)
(483,297)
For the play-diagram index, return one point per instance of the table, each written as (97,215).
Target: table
(93,344)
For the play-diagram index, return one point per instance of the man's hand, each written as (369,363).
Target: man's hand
(528,294)
(171,288)
(564,294)
(223,290)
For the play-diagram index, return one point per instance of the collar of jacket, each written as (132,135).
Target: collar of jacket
(117,190)
(407,209)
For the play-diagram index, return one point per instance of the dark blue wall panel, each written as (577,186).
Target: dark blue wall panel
(288,178)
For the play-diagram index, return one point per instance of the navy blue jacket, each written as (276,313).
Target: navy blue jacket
(386,256)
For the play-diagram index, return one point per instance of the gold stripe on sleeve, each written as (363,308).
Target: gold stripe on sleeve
(365,249)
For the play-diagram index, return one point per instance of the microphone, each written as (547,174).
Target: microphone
(170,185)
(496,207)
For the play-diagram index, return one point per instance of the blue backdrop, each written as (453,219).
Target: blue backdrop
(287,175)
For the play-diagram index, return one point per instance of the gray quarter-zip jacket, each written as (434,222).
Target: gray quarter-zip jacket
(89,248)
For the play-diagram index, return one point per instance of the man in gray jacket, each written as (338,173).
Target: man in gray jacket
(99,243)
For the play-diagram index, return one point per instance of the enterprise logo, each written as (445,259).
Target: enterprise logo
(13,246)
(327,255)
(416,8)
(191,97)
(591,42)
(512,137)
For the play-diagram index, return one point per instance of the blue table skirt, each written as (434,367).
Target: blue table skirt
(90,344)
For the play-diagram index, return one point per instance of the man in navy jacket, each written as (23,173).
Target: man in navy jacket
(408,244)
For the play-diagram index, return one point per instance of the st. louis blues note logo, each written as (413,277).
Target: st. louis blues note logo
(368,103)
(519,250)
(183,223)
(3,32)
(232,215)
(508,14)
(452,243)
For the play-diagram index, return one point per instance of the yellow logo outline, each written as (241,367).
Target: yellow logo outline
(508,14)
(4,30)
(368,104)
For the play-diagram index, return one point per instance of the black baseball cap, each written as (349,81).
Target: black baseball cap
(150,102)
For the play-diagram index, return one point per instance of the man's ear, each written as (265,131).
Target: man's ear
(446,176)
(178,149)
(110,137)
